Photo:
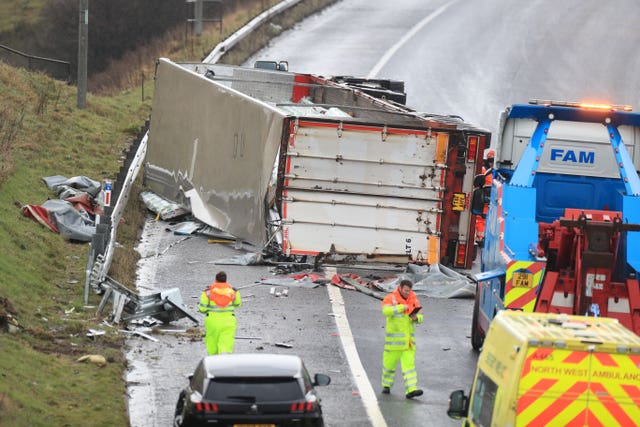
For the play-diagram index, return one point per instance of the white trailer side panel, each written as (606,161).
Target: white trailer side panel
(362,190)
(204,139)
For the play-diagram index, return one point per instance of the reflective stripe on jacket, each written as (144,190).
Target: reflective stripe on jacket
(400,330)
(219,298)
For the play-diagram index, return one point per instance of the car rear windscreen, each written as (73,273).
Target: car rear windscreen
(254,389)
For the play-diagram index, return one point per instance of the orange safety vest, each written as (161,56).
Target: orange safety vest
(221,293)
(396,298)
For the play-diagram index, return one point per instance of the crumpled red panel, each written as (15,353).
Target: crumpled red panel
(39,214)
(83,201)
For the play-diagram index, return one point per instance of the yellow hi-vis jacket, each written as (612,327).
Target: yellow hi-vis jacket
(400,330)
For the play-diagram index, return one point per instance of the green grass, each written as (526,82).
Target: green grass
(19,12)
(41,274)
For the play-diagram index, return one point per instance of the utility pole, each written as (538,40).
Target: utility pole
(198,16)
(83,43)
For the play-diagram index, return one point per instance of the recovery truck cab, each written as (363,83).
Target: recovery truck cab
(541,369)
(564,213)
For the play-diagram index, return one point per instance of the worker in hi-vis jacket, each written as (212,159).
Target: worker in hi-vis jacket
(402,310)
(219,302)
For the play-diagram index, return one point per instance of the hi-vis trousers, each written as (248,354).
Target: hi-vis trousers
(407,363)
(220,331)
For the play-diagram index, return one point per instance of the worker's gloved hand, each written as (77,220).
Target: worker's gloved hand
(419,318)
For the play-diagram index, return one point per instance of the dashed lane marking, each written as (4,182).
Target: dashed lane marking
(412,32)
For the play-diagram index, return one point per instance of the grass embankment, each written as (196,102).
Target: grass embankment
(14,13)
(43,322)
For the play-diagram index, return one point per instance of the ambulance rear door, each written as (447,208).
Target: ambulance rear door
(560,387)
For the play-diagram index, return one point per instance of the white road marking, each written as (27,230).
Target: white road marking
(357,370)
(412,32)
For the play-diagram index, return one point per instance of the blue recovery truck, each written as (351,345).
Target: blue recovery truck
(563,223)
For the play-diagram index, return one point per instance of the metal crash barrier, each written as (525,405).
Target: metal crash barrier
(166,305)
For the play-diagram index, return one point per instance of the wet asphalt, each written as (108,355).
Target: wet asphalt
(304,323)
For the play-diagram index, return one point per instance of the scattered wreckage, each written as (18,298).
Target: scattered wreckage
(73,214)
(378,279)
(87,212)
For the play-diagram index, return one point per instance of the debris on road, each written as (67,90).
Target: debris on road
(161,206)
(302,280)
(140,334)
(434,281)
(284,345)
(185,228)
(250,258)
(165,306)
(359,287)
(279,293)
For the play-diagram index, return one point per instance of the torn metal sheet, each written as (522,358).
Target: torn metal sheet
(185,228)
(362,288)
(70,223)
(251,258)
(435,281)
(72,186)
(74,214)
(166,305)
(215,233)
(303,281)
(161,206)
(140,334)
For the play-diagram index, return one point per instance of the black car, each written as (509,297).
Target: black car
(266,390)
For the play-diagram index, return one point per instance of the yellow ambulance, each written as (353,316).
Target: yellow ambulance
(539,369)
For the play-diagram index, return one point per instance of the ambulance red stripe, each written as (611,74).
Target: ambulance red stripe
(562,402)
(610,403)
(606,359)
(585,418)
(576,357)
(538,389)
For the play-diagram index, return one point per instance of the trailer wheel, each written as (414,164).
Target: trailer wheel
(477,337)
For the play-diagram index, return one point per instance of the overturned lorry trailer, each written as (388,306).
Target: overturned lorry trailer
(328,167)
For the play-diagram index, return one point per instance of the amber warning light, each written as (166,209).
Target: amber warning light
(585,105)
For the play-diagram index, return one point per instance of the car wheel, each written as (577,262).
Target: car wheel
(477,337)
(177,417)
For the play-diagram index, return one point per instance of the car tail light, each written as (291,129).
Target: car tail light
(461,255)
(302,407)
(473,149)
(207,407)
